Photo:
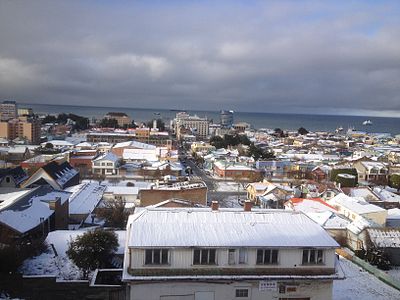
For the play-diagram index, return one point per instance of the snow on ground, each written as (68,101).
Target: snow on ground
(394,273)
(60,266)
(137,184)
(228,186)
(359,284)
(231,201)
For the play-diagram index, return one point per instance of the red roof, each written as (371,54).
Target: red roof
(320,200)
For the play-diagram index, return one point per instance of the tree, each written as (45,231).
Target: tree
(92,250)
(114,213)
(111,123)
(394,181)
(302,131)
(218,142)
(259,153)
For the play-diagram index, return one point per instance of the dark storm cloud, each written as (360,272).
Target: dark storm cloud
(292,56)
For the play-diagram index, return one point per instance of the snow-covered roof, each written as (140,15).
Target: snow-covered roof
(122,190)
(161,165)
(85,197)
(140,154)
(363,192)
(201,227)
(134,144)
(107,156)
(393,213)
(26,213)
(357,205)
(328,219)
(373,164)
(7,199)
(386,195)
(58,143)
(232,166)
(360,224)
(385,238)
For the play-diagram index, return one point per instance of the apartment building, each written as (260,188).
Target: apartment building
(8,110)
(199,127)
(22,128)
(212,253)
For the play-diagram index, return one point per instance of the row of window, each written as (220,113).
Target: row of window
(103,164)
(208,256)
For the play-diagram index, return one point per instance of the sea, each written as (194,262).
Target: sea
(257,120)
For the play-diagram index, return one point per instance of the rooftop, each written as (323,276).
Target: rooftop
(157,227)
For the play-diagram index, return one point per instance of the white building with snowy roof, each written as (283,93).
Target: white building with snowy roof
(212,253)
(106,164)
(355,207)
(84,199)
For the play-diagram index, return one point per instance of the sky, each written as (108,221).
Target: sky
(329,57)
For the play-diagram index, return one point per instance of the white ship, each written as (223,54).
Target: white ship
(367,122)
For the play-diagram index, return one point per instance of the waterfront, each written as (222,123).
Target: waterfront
(257,120)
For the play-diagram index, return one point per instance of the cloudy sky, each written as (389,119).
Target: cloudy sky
(266,56)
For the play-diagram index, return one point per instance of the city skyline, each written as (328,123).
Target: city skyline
(274,56)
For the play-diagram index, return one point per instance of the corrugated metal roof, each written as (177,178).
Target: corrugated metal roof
(201,227)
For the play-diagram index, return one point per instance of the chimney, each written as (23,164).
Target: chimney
(247,205)
(214,205)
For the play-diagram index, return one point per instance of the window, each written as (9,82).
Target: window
(241,293)
(156,257)
(242,255)
(204,257)
(231,256)
(312,256)
(267,256)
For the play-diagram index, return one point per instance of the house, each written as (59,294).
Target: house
(84,199)
(38,161)
(372,171)
(275,196)
(234,169)
(17,154)
(128,194)
(33,214)
(119,148)
(323,214)
(58,144)
(162,168)
(82,160)
(193,192)
(59,176)
(12,177)
(355,207)
(212,253)
(320,173)
(106,164)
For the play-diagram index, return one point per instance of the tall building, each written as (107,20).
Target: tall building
(122,118)
(22,128)
(226,118)
(8,110)
(197,126)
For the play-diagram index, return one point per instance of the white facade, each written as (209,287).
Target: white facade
(199,253)
(199,126)
(106,164)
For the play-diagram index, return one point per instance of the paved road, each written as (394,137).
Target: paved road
(198,172)
(223,197)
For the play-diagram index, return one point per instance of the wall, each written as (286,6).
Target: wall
(316,290)
(154,196)
(182,258)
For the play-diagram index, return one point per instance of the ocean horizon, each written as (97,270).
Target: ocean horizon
(285,121)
